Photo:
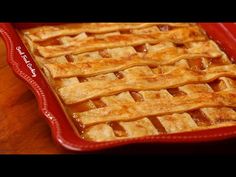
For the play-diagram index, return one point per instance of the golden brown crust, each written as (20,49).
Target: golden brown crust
(46,32)
(157,107)
(125,80)
(91,44)
(86,67)
(179,76)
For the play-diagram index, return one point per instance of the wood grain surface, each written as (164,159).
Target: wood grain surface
(22,129)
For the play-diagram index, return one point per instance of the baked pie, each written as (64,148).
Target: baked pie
(126,80)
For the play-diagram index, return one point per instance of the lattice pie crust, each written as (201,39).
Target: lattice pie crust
(125,80)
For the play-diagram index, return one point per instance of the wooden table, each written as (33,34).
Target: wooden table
(22,129)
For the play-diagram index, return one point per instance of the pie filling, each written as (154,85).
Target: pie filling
(126,80)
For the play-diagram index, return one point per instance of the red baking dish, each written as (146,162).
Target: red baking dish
(24,67)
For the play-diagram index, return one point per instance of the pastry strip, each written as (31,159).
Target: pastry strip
(47,32)
(157,107)
(180,35)
(177,77)
(85,68)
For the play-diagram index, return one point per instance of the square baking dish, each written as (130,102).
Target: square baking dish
(62,128)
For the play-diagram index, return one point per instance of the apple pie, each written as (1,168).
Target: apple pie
(126,80)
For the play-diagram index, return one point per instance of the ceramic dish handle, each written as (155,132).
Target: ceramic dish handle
(17,54)
(24,67)
(20,60)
